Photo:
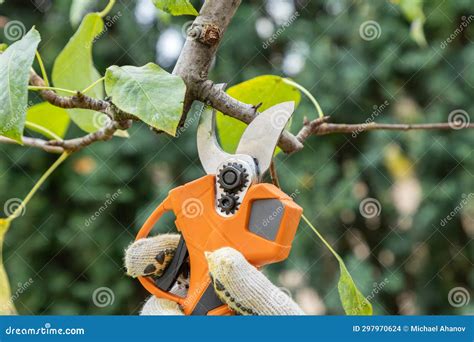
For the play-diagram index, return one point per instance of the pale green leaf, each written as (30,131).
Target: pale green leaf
(15,64)
(176,7)
(6,304)
(52,118)
(353,302)
(268,90)
(148,92)
(78,9)
(74,69)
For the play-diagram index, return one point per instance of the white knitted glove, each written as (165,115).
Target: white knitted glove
(237,283)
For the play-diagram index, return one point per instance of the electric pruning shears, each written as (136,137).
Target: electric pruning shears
(229,207)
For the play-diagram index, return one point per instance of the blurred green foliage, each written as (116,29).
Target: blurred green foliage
(405,260)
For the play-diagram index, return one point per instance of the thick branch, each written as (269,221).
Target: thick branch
(201,45)
(195,60)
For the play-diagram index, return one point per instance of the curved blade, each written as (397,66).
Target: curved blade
(210,153)
(262,134)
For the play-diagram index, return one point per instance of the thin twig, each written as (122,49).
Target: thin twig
(34,142)
(104,134)
(321,127)
(72,145)
(79,100)
(274,174)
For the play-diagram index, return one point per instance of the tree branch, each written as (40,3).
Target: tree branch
(73,145)
(103,134)
(80,100)
(320,126)
(204,37)
(195,60)
(34,142)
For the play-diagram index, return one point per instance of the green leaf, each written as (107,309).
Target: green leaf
(413,11)
(148,92)
(78,9)
(3,47)
(15,64)
(52,118)
(176,7)
(268,90)
(6,304)
(353,302)
(74,69)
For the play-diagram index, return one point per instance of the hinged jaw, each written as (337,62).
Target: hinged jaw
(235,173)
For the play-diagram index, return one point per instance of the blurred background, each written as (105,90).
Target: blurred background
(412,255)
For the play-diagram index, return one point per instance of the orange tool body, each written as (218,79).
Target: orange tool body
(260,221)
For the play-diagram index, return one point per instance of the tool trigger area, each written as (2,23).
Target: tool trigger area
(166,281)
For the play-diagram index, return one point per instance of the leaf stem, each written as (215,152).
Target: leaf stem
(43,130)
(107,8)
(35,188)
(321,238)
(93,85)
(307,93)
(43,69)
(52,88)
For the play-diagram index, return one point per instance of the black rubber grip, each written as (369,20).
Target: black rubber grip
(207,302)
(168,278)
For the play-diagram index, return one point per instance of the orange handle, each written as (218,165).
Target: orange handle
(263,234)
(144,231)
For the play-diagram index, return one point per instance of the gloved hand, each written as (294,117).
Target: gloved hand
(237,283)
